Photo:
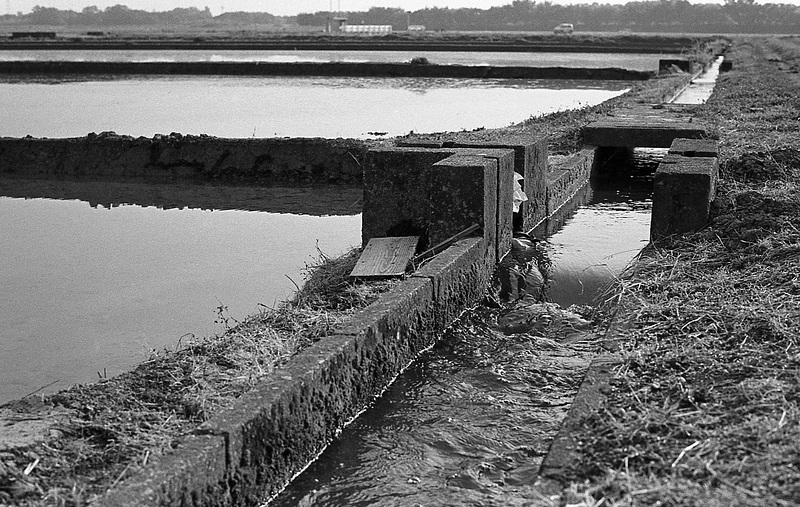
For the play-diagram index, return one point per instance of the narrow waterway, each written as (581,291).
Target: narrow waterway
(471,420)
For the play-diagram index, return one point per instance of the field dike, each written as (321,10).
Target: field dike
(224,421)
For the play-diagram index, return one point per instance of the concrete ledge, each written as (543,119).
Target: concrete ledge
(567,177)
(438,192)
(460,276)
(682,193)
(590,397)
(247,453)
(646,132)
(108,156)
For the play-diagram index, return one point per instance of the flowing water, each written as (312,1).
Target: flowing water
(471,420)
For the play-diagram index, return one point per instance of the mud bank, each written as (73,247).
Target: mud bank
(318,69)
(629,43)
(108,156)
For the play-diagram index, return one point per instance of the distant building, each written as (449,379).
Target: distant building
(336,24)
(372,29)
(416,28)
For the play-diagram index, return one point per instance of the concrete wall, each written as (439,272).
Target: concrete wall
(175,157)
(436,193)
(530,160)
(248,452)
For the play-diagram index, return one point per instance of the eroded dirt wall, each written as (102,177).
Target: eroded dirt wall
(109,156)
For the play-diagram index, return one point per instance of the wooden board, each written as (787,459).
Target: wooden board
(385,257)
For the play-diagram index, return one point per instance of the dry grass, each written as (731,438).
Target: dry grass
(705,409)
(117,425)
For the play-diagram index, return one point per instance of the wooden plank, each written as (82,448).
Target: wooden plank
(385,257)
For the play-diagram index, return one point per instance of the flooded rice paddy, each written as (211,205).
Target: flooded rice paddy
(99,274)
(96,275)
(243,107)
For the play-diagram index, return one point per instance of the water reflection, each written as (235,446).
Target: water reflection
(90,289)
(243,107)
(589,246)
(298,200)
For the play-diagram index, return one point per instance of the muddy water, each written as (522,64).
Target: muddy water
(470,422)
(95,275)
(467,424)
(242,107)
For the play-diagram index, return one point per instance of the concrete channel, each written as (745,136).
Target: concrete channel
(250,451)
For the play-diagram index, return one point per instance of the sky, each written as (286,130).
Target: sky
(293,7)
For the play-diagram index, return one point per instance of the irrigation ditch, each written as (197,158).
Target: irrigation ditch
(242,446)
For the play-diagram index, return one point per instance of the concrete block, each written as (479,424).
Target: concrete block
(694,148)
(460,276)
(682,193)
(645,132)
(277,428)
(194,474)
(506,166)
(567,177)
(396,186)
(462,190)
(530,160)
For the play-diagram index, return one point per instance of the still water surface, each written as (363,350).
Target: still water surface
(642,62)
(241,107)
(92,288)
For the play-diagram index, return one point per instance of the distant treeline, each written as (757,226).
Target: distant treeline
(735,16)
(122,15)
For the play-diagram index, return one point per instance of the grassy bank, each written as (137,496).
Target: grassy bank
(704,409)
(100,434)
(95,435)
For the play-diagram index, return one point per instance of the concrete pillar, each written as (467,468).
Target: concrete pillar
(436,193)
(530,160)
(682,193)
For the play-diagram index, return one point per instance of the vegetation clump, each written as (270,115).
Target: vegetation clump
(106,431)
